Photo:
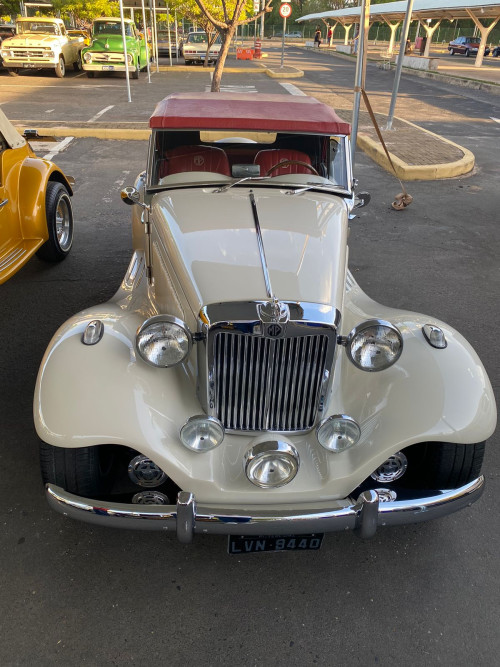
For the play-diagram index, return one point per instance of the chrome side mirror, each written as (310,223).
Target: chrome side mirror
(131,196)
(361,199)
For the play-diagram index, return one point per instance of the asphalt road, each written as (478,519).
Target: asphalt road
(427,594)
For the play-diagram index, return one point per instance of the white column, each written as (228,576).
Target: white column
(485,31)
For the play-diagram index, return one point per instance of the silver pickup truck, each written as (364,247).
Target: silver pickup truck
(41,43)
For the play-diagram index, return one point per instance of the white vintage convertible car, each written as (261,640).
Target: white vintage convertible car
(240,382)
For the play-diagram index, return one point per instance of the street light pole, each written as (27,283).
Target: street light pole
(399,64)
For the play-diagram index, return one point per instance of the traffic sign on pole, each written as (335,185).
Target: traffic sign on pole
(285,10)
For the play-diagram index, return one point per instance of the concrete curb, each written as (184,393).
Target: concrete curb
(277,74)
(93,133)
(190,68)
(427,172)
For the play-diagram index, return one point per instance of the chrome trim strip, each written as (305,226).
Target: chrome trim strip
(260,243)
(362,516)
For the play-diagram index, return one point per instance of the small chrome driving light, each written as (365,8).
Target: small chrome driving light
(144,472)
(202,433)
(93,332)
(163,341)
(434,336)
(338,432)
(374,345)
(271,464)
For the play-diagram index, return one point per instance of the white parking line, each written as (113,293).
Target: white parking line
(497,120)
(57,148)
(293,90)
(49,110)
(100,113)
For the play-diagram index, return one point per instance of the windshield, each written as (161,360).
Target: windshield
(111,28)
(41,27)
(295,160)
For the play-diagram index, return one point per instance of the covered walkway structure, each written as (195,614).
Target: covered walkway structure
(429,13)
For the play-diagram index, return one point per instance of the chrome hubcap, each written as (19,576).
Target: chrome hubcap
(63,223)
(392,469)
(144,472)
(150,498)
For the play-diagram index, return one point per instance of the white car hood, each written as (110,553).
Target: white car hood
(210,241)
(30,40)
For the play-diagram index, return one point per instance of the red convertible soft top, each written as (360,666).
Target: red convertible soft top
(240,111)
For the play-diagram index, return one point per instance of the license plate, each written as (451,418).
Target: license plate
(245,544)
(108,67)
(29,65)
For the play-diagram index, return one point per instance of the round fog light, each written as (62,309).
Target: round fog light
(144,472)
(338,433)
(271,464)
(202,433)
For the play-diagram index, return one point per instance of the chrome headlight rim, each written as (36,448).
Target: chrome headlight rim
(87,57)
(170,319)
(342,417)
(197,419)
(366,324)
(266,448)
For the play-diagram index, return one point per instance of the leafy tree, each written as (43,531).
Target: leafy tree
(234,15)
(85,11)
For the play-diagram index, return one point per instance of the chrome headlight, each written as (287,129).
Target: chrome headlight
(374,345)
(338,433)
(163,341)
(202,433)
(87,57)
(129,58)
(271,464)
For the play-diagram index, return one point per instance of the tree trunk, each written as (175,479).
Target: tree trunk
(227,36)
(211,39)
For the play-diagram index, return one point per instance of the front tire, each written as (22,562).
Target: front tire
(13,71)
(77,66)
(84,471)
(60,68)
(452,52)
(90,74)
(443,465)
(59,215)
(135,73)
(467,53)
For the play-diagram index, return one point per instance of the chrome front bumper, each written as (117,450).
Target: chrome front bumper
(186,518)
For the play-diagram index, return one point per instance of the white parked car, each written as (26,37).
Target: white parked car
(194,48)
(42,43)
(240,381)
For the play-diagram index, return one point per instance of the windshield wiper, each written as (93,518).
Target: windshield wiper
(241,180)
(313,185)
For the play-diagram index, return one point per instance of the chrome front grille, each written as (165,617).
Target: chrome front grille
(269,384)
(29,53)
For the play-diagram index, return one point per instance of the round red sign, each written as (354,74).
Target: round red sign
(285,10)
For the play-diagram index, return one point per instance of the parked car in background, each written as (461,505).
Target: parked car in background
(194,48)
(35,205)
(80,32)
(41,43)
(106,52)
(294,34)
(168,44)
(466,46)
(496,52)
(6,30)
(240,381)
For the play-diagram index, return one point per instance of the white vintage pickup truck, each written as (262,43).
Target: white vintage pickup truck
(41,43)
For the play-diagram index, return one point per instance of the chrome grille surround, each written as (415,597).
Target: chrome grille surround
(253,381)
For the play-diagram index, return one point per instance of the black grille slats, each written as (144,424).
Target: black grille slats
(266,384)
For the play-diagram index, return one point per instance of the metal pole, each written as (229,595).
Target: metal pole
(283,42)
(358,81)
(262,6)
(399,64)
(145,29)
(176,37)
(155,31)
(125,51)
(169,39)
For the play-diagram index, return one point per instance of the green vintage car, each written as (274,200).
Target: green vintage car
(106,52)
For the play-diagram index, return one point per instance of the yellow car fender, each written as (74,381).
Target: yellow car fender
(33,178)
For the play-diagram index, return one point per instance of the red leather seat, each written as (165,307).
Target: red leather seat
(267,159)
(194,158)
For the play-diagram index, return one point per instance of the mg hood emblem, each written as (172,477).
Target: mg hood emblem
(274,315)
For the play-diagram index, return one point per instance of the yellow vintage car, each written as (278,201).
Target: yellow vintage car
(35,206)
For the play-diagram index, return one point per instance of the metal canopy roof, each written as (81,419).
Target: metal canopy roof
(422,9)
